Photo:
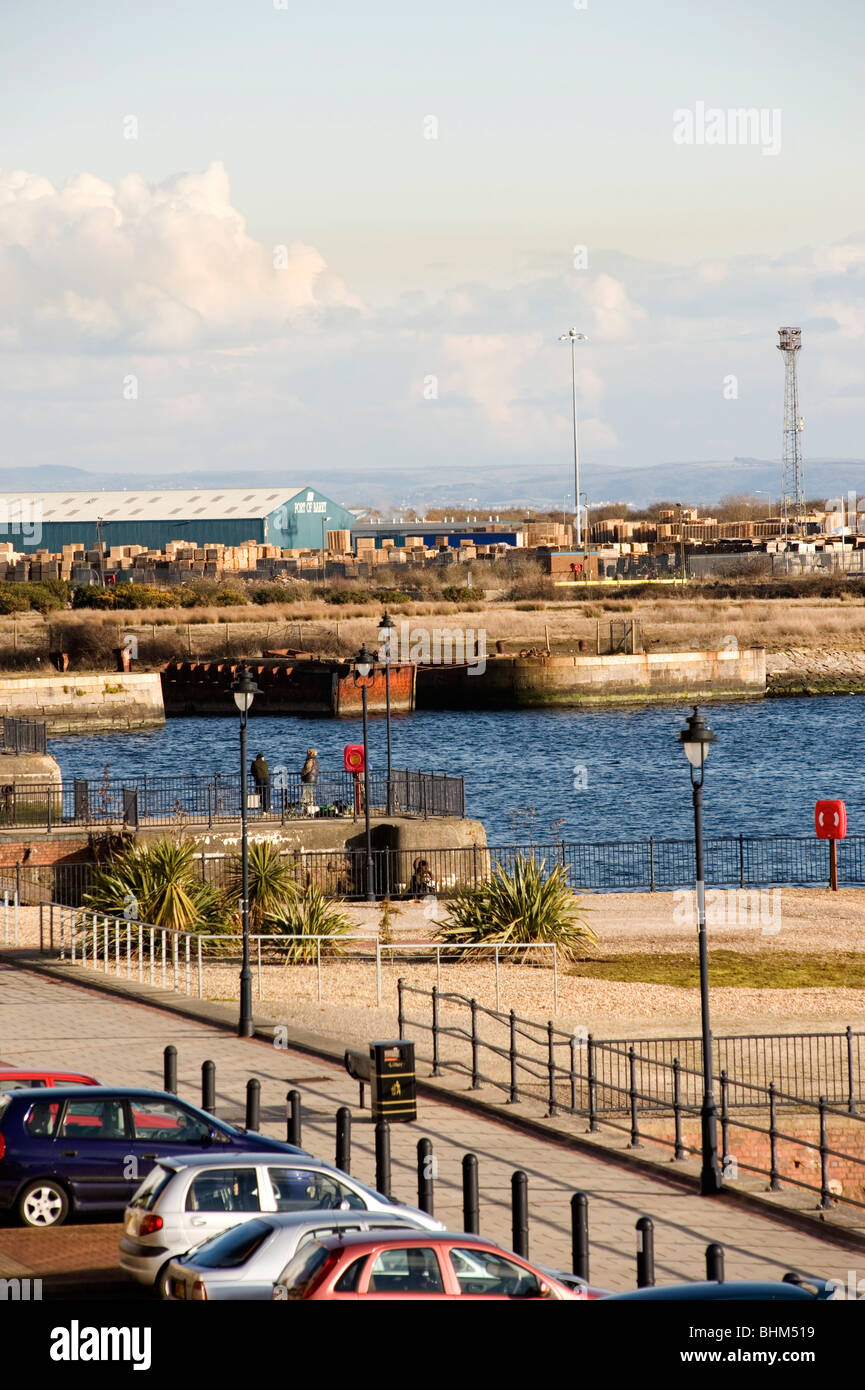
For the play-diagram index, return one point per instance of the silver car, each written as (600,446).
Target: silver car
(246,1261)
(183,1202)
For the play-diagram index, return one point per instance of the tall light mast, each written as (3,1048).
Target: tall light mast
(792,471)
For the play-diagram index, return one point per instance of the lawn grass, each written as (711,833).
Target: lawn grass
(770,969)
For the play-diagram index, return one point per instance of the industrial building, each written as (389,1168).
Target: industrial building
(293,518)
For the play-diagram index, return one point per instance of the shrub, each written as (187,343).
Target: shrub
(271,883)
(160,883)
(341,596)
(309,914)
(456,593)
(12,600)
(520,905)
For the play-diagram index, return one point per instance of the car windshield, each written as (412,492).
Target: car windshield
(300,1272)
(371,1192)
(150,1189)
(232,1248)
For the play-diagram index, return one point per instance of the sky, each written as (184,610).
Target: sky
(276,233)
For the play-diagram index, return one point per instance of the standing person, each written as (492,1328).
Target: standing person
(261,777)
(308,778)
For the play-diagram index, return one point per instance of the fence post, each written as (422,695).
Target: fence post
(825,1194)
(253,1104)
(471,1218)
(551,1071)
(475,1067)
(645,1252)
(377,972)
(293,1118)
(208,1087)
(400,1016)
(425,1171)
(774,1184)
(741,861)
(725,1116)
(590,1070)
(512,1054)
(679,1151)
(436,1071)
(632,1092)
(715,1263)
(580,1235)
(574,1045)
(343,1139)
(851,1083)
(382,1157)
(520,1213)
(651,863)
(169,1069)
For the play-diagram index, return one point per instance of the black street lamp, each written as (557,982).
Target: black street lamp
(696,739)
(386,630)
(363,664)
(244,691)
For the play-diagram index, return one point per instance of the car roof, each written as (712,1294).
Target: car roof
(94,1093)
(235,1158)
(6,1072)
(735,1289)
(376,1238)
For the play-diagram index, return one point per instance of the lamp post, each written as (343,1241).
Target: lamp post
(696,738)
(386,630)
(324,521)
(573,337)
(244,691)
(363,664)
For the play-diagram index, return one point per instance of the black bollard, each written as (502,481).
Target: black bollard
(169,1069)
(471,1203)
(343,1139)
(645,1252)
(382,1157)
(293,1122)
(520,1212)
(425,1176)
(715,1262)
(253,1104)
(580,1235)
(208,1087)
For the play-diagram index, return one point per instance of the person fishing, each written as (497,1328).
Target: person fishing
(261,777)
(309,778)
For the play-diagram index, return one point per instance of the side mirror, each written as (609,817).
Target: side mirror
(544,1290)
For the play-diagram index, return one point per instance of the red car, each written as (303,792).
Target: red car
(22,1078)
(417,1265)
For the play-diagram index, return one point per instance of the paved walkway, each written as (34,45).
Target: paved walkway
(51,1023)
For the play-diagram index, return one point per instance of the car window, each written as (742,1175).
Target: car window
(486,1272)
(232,1248)
(24,1083)
(411,1270)
(40,1118)
(348,1282)
(224,1189)
(161,1119)
(152,1187)
(300,1273)
(303,1189)
(102,1119)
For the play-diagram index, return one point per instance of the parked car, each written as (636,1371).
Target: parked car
(245,1261)
(184,1202)
(24,1078)
(790,1288)
(87,1147)
(389,1265)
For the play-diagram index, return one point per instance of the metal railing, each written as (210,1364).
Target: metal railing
(617,1083)
(134,800)
(24,735)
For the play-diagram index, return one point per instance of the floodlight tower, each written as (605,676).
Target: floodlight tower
(792,472)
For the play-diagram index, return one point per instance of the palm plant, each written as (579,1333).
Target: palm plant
(520,905)
(271,883)
(160,878)
(308,913)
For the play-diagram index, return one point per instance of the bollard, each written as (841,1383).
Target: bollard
(580,1235)
(293,1119)
(343,1139)
(645,1252)
(520,1213)
(715,1263)
(382,1157)
(425,1176)
(208,1087)
(471,1217)
(169,1069)
(253,1104)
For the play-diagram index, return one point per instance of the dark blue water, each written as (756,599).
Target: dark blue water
(772,761)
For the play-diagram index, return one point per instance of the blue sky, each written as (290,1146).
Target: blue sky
(410,259)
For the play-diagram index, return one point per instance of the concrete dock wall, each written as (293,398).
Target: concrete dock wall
(75,704)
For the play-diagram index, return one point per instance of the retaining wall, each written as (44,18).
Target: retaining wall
(72,703)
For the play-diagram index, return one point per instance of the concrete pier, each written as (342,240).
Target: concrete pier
(75,703)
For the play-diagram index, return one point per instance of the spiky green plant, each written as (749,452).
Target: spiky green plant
(271,883)
(520,905)
(310,914)
(162,879)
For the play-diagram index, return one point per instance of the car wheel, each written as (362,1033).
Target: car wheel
(160,1283)
(43,1203)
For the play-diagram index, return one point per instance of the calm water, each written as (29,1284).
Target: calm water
(773,760)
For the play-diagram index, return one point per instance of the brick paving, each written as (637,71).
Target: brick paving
(52,1023)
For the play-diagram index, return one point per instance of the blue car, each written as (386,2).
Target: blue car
(88,1148)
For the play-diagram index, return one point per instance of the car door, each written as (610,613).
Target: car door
(404,1271)
(91,1151)
(218,1198)
(163,1129)
(486,1274)
(307,1189)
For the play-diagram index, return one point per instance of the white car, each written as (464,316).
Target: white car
(182,1203)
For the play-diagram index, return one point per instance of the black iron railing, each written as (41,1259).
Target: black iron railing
(624,1085)
(24,735)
